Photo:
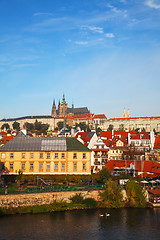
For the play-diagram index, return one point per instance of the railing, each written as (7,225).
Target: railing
(56,188)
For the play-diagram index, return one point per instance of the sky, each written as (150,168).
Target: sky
(103,54)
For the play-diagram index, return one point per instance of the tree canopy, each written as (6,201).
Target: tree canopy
(16,126)
(112,195)
(136,196)
(5,126)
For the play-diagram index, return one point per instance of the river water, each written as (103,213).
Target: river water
(122,224)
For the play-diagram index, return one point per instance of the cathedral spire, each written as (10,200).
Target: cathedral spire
(63,100)
(53,113)
(72,104)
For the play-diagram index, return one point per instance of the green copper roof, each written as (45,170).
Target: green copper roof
(74,145)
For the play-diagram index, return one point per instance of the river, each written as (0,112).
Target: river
(122,224)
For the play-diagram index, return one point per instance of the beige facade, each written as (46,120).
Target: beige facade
(66,162)
(148,123)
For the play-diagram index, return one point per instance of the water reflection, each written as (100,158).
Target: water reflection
(122,224)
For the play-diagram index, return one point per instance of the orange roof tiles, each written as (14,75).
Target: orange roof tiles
(118,119)
(99,116)
(5,139)
(157,142)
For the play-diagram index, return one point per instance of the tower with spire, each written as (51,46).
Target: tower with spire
(53,113)
(124,113)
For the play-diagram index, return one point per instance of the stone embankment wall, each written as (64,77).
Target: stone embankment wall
(32,199)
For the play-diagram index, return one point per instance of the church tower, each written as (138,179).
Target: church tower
(124,113)
(62,107)
(53,113)
(128,114)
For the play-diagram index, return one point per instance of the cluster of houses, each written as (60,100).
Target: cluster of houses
(137,153)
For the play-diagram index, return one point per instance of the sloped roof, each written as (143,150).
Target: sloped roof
(74,145)
(157,142)
(133,118)
(99,116)
(5,139)
(26,143)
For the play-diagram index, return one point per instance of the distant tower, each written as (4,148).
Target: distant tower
(124,113)
(72,104)
(128,114)
(53,113)
(62,107)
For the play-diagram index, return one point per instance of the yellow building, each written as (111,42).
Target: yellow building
(41,155)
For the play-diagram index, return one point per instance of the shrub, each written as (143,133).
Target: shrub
(104,175)
(78,198)
(90,202)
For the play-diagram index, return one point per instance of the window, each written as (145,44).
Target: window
(31,155)
(41,155)
(48,166)
(63,155)
(23,155)
(116,151)
(84,155)
(74,155)
(56,155)
(56,166)
(31,166)
(11,155)
(41,166)
(84,166)
(63,166)
(3,155)
(75,166)
(48,155)
(11,166)
(23,166)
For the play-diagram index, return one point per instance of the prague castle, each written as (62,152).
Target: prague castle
(63,109)
(74,115)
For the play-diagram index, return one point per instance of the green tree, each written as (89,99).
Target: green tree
(60,125)
(136,196)
(29,126)
(5,126)
(37,125)
(104,175)
(110,128)
(112,195)
(98,131)
(83,126)
(16,126)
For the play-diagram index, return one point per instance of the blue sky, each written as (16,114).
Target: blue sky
(103,54)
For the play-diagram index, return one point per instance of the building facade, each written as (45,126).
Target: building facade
(40,155)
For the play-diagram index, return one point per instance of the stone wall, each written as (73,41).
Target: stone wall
(32,199)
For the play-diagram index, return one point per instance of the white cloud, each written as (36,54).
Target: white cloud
(153,4)
(42,13)
(96,29)
(124,13)
(109,35)
(81,43)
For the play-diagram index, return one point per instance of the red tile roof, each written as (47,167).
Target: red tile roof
(106,134)
(154,192)
(118,119)
(5,139)
(99,116)
(157,142)
(149,166)
(138,135)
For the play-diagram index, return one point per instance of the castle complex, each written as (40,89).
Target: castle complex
(75,116)
(63,109)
